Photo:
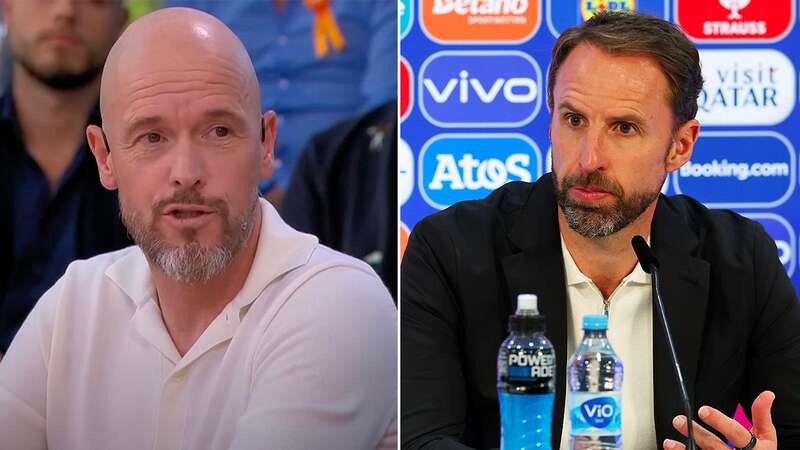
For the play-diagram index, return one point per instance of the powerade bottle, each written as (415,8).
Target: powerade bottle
(595,390)
(526,370)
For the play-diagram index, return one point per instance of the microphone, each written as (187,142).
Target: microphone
(649,264)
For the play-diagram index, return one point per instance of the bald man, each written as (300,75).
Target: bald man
(224,327)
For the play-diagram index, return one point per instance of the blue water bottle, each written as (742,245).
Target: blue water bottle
(526,370)
(595,390)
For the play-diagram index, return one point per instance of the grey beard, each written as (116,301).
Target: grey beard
(192,262)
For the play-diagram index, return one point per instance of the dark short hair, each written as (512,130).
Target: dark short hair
(624,33)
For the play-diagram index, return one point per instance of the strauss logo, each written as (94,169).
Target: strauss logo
(734,6)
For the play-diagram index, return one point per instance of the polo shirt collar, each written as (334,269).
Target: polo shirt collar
(574,276)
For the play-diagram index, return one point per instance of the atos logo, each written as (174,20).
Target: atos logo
(480,21)
(599,412)
(405,171)
(746,87)
(739,169)
(735,21)
(563,14)
(456,167)
(784,236)
(479,89)
(406,94)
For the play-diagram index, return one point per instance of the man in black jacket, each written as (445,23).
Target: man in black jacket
(622,91)
(53,209)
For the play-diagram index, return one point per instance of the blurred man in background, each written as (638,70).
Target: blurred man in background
(328,60)
(53,209)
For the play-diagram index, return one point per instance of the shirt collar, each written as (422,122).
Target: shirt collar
(574,276)
(280,249)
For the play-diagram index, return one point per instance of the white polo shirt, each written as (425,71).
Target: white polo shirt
(304,357)
(630,331)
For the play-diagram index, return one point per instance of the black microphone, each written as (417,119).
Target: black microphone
(649,264)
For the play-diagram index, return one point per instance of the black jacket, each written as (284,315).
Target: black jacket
(344,190)
(734,313)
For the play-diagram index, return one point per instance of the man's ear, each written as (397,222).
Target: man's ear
(267,145)
(682,145)
(105,162)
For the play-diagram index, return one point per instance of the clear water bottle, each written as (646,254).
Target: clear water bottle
(526,370)
(595,390)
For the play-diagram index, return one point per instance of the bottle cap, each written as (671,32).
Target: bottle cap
(527,318)
(527,304)
(595,322)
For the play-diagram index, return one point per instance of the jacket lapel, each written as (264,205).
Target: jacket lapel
(535,266)
(684,290)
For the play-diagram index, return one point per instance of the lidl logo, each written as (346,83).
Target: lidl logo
(479,89)
(406,89)
(405,9)
(746,87)
(563,14)
(405,171)
(480,21)
(592,7)
(735,21)
(739,169)
(456,167)
(784,236)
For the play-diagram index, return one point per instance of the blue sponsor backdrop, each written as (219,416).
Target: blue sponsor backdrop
(478,116)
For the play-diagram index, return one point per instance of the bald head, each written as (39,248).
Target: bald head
(176,41)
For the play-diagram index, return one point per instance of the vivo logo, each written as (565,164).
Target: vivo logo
(460,167)
(479,89)
(526,89)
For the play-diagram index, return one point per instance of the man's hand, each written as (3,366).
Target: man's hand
(763,429)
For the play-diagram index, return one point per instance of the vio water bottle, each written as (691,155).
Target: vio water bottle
(595,390)
(526,370)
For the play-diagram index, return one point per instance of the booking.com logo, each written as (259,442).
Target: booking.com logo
(456,167)
(726,170)
(784,236)
(487,89)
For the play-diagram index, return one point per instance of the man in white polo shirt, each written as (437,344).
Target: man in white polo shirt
(224,328)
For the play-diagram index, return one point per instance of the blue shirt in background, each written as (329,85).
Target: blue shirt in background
(311,94)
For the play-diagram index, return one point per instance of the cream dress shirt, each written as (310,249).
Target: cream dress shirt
(304,357)
(630,331)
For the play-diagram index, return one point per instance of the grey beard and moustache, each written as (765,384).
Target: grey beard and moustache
(596,221)
(191,262)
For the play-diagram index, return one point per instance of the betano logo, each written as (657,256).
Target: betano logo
(479,89)
(784,236)
(726,170)
(480,21)
(746,87)
(456,167)
(735,21)
(562,14)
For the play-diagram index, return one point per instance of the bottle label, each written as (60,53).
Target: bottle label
(526,364)
(596,413)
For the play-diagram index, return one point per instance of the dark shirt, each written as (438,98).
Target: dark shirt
(344,190)
(45,227)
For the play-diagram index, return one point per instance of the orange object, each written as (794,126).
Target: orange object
(325,28)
